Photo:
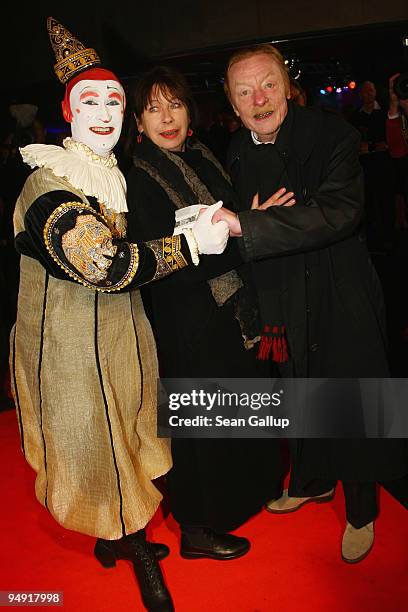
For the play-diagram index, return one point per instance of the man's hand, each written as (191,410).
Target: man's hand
(279,198)
(232,220)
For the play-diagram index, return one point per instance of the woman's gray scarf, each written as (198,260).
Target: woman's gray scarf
(222,287)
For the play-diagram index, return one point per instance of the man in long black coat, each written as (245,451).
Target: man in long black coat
(320,299)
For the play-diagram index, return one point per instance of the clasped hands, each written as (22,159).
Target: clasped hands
(279,198)
(215,224)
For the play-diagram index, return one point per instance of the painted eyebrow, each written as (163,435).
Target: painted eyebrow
(115,94)
(86,94)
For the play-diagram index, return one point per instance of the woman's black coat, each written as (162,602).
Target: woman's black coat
(218,483)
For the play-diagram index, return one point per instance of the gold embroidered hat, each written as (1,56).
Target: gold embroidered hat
(72,56)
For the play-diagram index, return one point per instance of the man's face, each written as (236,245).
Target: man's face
(368,93)
(97,109)
(258,94)
(297,96)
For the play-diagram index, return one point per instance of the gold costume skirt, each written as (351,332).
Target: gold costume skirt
(84,370)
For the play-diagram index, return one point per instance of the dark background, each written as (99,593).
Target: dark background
(355,40)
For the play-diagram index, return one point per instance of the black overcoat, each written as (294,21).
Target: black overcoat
(314,274)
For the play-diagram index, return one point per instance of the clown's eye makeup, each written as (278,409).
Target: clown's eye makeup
(89,97)
(115,99)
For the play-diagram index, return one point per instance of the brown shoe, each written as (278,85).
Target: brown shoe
(357,543)
(286,504)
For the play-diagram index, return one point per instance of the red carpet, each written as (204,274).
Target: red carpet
(294,563)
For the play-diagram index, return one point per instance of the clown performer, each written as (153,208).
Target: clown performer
(83,360)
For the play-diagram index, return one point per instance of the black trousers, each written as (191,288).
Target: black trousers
(360,497)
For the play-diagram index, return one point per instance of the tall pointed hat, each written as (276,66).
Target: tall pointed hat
(72,56)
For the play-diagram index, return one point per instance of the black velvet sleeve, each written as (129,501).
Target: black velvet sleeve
(73,241)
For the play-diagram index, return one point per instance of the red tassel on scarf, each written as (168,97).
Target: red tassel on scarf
(273,344)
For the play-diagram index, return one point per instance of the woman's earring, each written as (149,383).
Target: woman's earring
(139,138)
(190,132)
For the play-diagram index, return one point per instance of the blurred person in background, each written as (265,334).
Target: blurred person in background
(397,140)
(23,128)
(379,177)
(297,93)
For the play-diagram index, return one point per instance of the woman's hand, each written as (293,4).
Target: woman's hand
(279,198)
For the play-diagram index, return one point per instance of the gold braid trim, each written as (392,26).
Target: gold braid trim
(50,228)
(169,257)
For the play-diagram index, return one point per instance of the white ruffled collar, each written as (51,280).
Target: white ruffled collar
(94,175)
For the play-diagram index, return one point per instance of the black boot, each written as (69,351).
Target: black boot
(134,548)
(161,551)
(198,542)
(104,548)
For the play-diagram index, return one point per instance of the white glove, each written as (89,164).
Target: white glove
(211,238)
(186,217)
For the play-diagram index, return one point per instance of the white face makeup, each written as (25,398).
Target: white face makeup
(97,114)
